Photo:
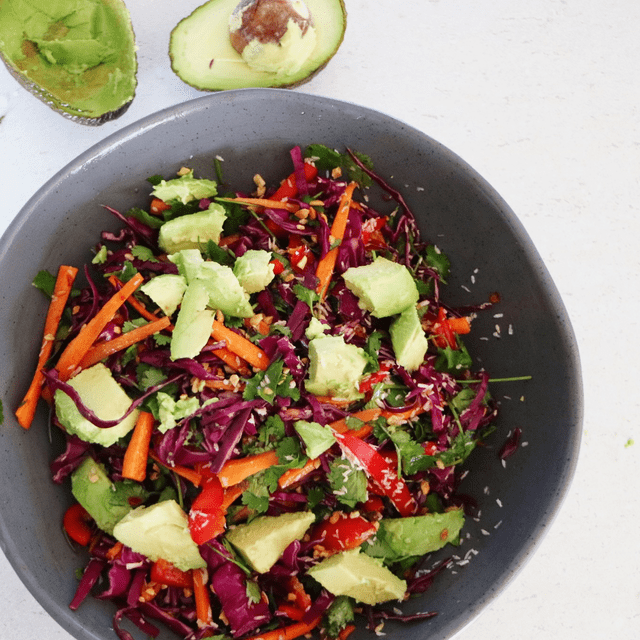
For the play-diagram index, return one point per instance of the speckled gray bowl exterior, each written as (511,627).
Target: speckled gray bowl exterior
(253,131)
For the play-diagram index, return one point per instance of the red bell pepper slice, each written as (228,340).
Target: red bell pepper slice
(77,523)
(288,187)
(372,379)
(372,237)
(343,532)
(164,572)
(207,515)
(299,254)
(381,471)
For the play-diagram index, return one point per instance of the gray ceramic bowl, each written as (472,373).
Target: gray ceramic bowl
(253,131)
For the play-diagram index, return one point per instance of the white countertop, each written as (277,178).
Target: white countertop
(542,99)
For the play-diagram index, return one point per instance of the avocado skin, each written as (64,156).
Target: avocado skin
(295,82)
(67,110)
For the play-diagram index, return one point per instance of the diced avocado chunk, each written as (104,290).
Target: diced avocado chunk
(166,290)
(186,188)
(316,329)
(383,288)
(359,576)
(253,270)
(105,397)
(401,538)
(262,541)
(171,411)
(335,368)
(194,323)
(106,502)
(188,262)
(77,56)
(160,531)
(408,339)
(225,292)
(192,230)
(317,438)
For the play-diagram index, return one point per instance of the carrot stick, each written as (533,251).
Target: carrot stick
(291,476)
(264,202)
(157,206)
(402,416)
(235,471)
(459,325)
(134,302)
(366,415)
(134,465)
(61,292)
(188,474)
(201,596)
(239,345)
(233,361)
(326,265)
(288,633)
(104,349)
(336,402)
(78,347)
(231,494)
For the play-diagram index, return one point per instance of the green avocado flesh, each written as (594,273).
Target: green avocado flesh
(77,56)
(202,55)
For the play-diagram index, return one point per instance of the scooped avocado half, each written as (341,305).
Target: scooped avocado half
(77,56)
(277,50)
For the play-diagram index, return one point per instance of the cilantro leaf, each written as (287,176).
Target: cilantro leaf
(438,261)
(339,614)
(271,383)
(217,254)
(155,222)
(453,360)
(143,253)
(306,295)
(348,483)
(45,282)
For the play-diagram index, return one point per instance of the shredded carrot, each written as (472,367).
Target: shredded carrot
(157,206)
(150,590)
(114,551)
(260,324)
(225,241)
(401,416)
(233,361)
(238,469)
(135,458)
(291,611)
(291,476)
(231,494)
(366,415)
(61,291)
(288,633)
(224,385)
(346,631)
(104,349)
(201,596)
(336,402)
(326,265)
(240,345)
(134,302)
(188,474)
(78,347)
(265,203)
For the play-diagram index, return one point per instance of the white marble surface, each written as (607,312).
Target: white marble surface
(542,98)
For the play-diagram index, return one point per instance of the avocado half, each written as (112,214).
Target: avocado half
(77,56)
(202,55)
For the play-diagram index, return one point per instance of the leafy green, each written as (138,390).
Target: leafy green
(271,383)
(348,483)
(143,253)
(45,282)
(155,222)
(438,261)
(218,254)
(306,295)
(328,159)
(339,614)
(1,413)
(453,360)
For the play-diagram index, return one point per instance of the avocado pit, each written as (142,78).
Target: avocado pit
(273,35)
